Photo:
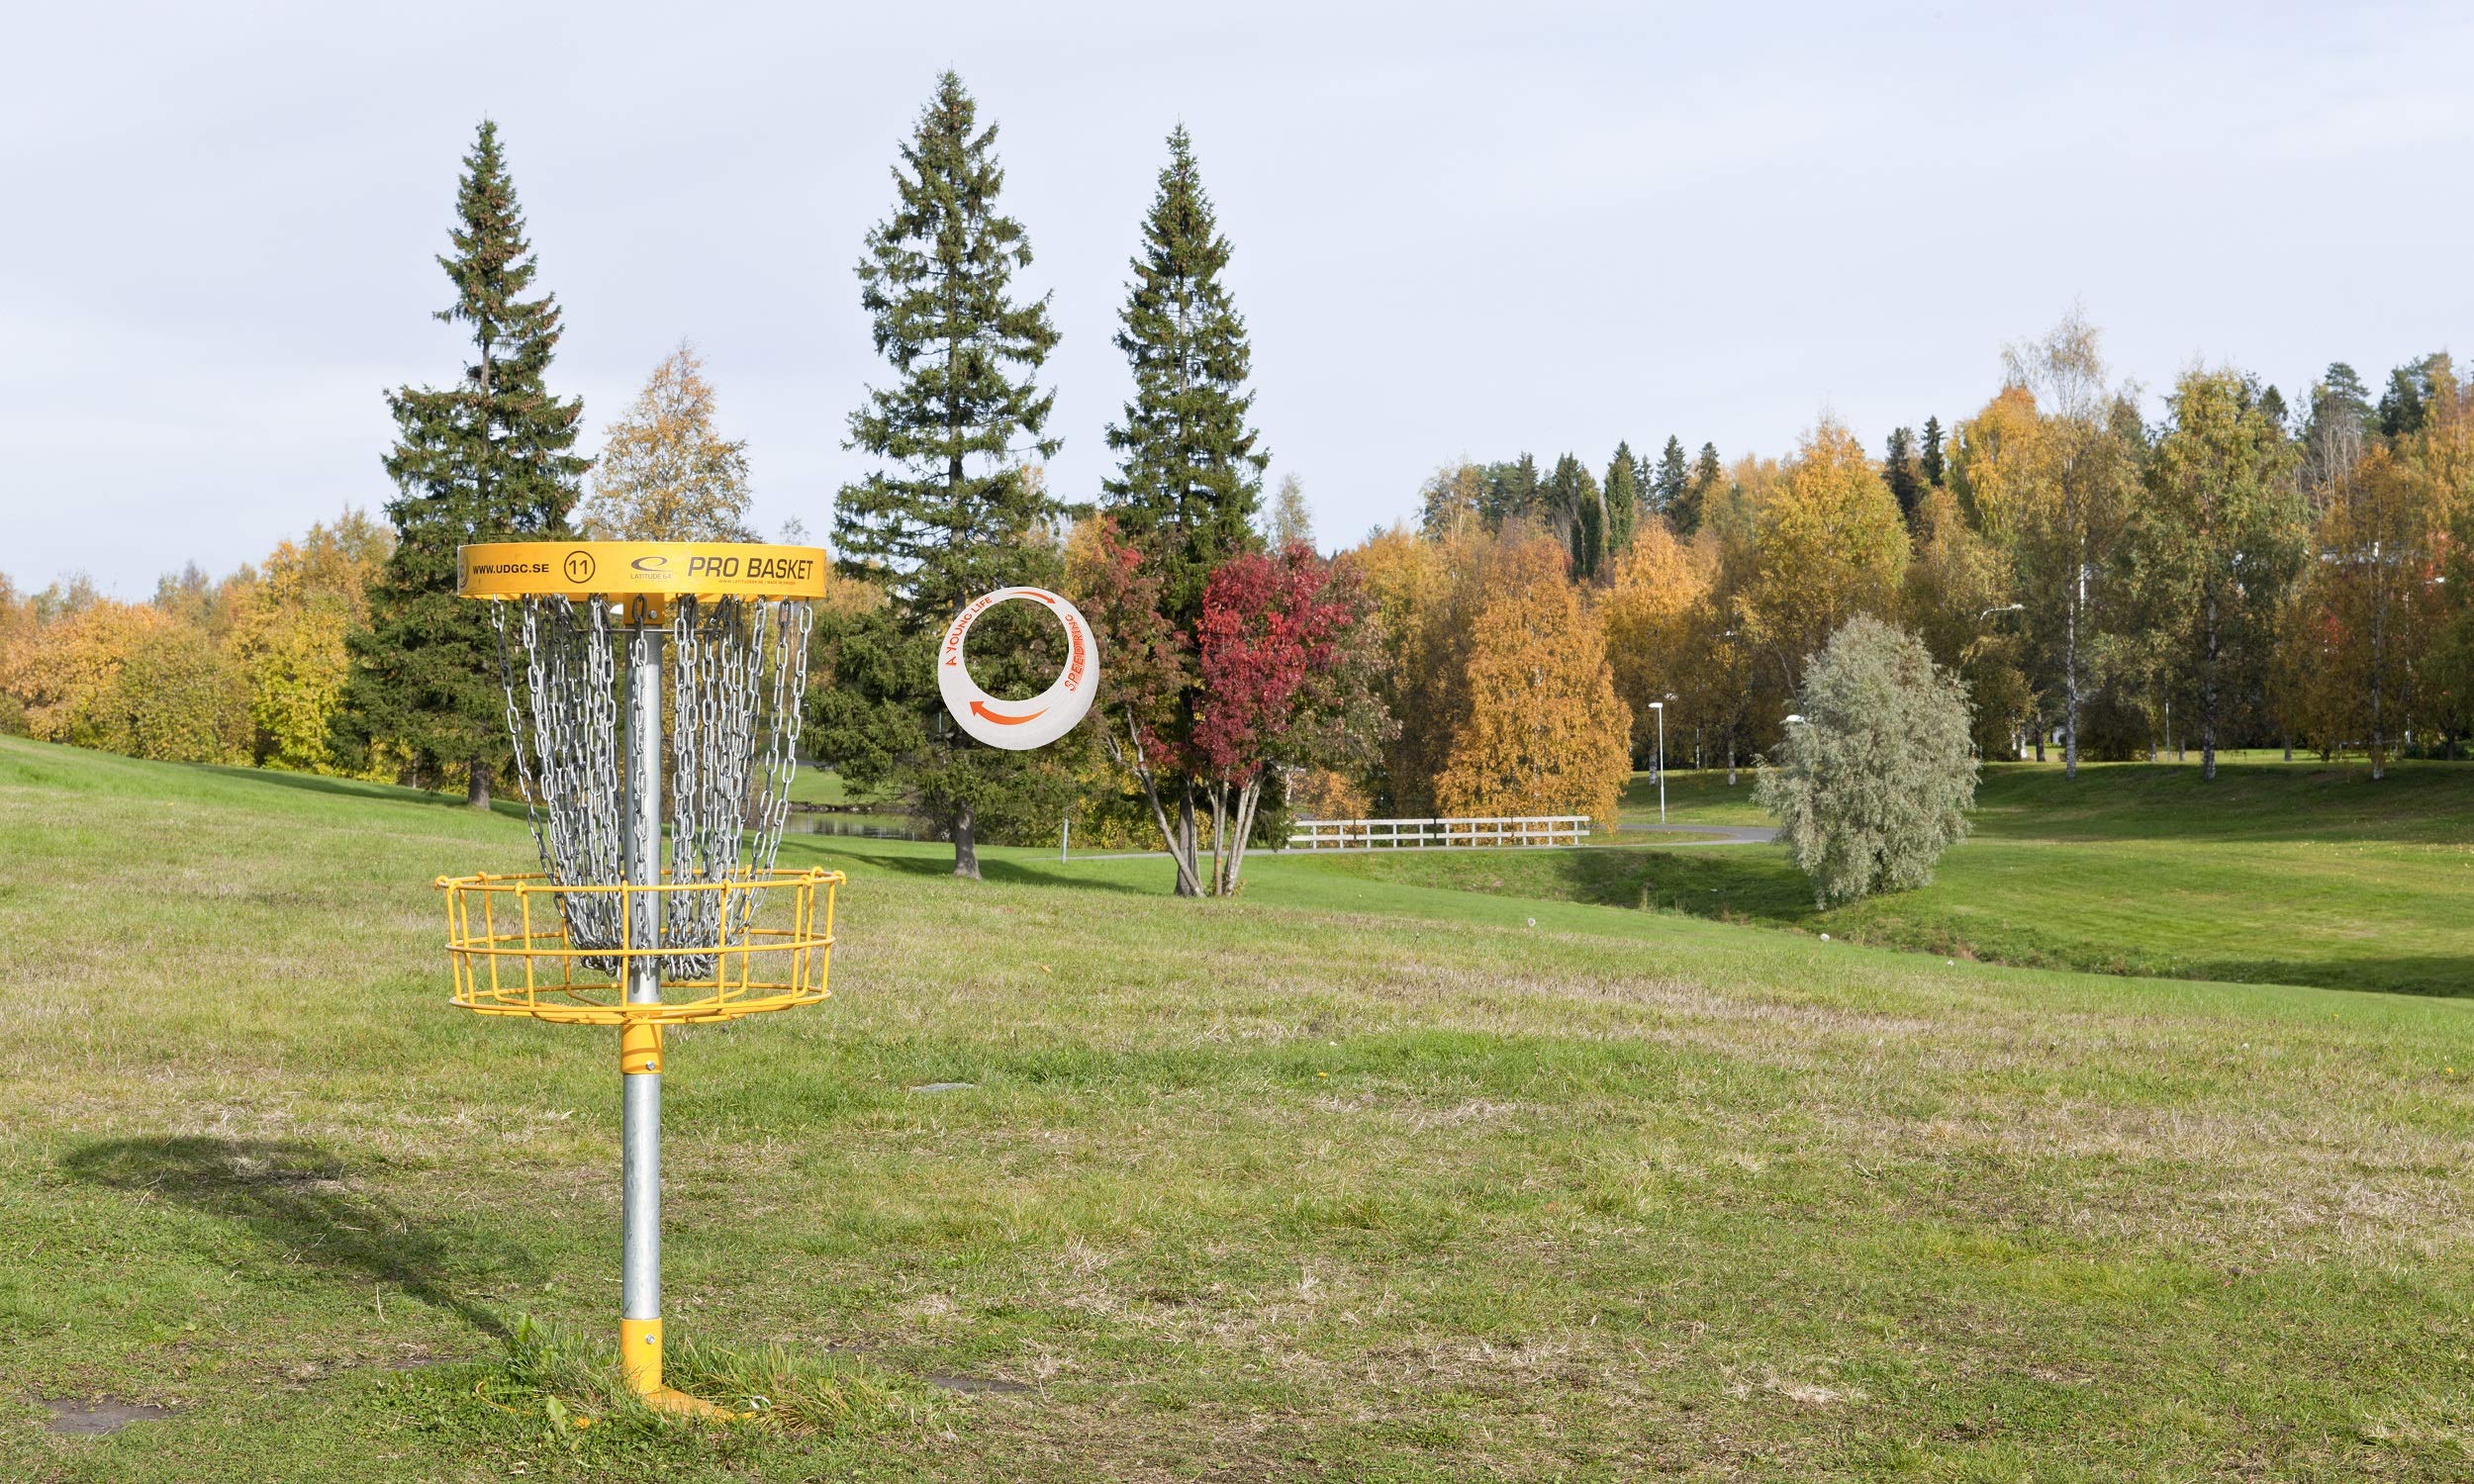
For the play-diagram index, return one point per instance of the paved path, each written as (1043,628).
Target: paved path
(1732,834)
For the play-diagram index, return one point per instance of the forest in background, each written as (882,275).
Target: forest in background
(2244,570)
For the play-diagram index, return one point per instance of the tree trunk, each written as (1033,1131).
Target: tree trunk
(2379,738)
(2207,701)
(1241,827)
(477,786)
(1219,838)
(2070,695)
(1189,874)
(966,844)
(2379,657)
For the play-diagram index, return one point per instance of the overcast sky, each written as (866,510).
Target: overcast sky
(1459,230)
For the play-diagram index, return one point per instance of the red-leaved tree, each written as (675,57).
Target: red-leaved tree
(1277,676)
(1147,682)
(1287,671)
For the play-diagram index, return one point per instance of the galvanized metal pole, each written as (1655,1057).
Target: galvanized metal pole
(640,1042)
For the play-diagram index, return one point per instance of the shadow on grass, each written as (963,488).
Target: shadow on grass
(353,787)
(300,1200)
(1758,887)
(2431,975)
(1732,883)
(2417,804)
(928,859)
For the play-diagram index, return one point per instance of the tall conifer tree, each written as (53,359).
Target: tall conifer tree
(1929,462)
(955,508)
(1899,471)
(1623,499)
(1513,491)
(489,458)
(1576,513)
(1673,473)
(1191,470)
(1693,504)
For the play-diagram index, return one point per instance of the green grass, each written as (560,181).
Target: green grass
(1352,1180)
(822,785)
(2274,872)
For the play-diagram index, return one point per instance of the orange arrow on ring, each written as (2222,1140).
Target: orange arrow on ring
(980,709)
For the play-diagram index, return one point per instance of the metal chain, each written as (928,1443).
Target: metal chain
(737,674)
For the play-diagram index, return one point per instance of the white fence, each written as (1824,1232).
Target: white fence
(1437,834)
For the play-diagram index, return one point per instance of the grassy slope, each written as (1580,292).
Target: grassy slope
(1356,1180)
(2273,874)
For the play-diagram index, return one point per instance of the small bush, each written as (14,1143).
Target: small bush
(1875,781)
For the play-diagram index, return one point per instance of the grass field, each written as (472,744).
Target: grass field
(2274,874)
(1357,1178)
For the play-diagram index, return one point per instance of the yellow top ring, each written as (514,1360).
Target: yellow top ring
(629,569)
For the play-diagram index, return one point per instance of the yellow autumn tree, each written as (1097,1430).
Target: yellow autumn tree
(129,677)
(1647,616)
(288,637)
(1407,581)
(1956,598)
(17,615)
(666,472)
(2371,598)
(1827,544)
(1995,460)
(1543,732)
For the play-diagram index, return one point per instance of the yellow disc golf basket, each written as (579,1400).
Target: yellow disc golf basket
(628,665)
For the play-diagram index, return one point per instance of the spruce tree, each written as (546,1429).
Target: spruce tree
(954,509)
(2405,405)
(489,458)
(1930,462)
(1512,492)
(1899,472)
(1574,511)
(1666,488)
(1623,499)
(1191,474)
(1693,504)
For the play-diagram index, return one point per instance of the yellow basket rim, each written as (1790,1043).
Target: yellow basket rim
(539,881)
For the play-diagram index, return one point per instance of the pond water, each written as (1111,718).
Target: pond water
(861,827)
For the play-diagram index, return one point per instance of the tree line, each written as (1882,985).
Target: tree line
(2239,572)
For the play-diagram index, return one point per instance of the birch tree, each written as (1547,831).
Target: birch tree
(2074,507)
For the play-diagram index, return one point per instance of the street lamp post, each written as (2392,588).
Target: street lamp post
(1660,708)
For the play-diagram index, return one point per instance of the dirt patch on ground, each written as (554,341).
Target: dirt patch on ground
(98,1416)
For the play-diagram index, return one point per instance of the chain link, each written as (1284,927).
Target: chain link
(736,675)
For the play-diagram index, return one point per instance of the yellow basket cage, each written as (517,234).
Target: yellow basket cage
(513,953)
